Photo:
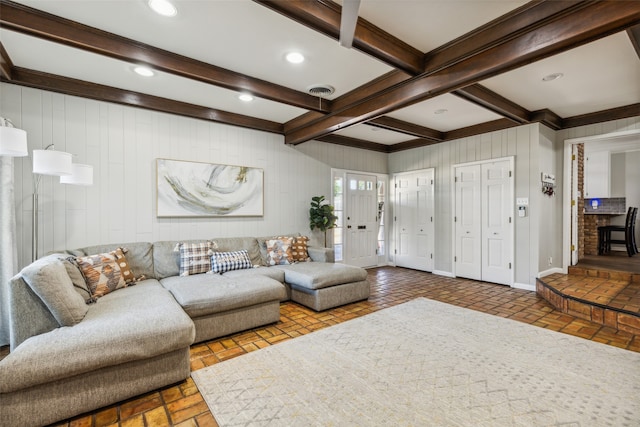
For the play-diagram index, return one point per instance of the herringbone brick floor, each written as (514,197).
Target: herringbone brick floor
(182,405)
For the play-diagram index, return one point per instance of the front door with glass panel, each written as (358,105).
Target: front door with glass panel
(360,221)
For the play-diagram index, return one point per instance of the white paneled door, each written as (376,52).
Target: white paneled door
(468,226)
(483,221)
(414,219)
(361,222)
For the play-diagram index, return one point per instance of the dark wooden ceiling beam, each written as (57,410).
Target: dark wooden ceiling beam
(400,126)
(602,116)
(40,24)
(6,65)
(490,100)
(84,89)
(548,118)
(555,34)
(324,17)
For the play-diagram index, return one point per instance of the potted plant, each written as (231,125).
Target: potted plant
(321,216)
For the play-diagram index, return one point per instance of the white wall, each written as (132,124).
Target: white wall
(347,158)
(122,144)
(550,213)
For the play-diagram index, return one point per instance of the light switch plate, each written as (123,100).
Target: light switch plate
(522,201)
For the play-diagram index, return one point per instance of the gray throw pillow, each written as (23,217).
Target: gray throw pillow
(50,281)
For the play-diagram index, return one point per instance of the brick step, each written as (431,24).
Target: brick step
(605,297)
(576,270)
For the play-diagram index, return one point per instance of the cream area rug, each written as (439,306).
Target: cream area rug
(426,363)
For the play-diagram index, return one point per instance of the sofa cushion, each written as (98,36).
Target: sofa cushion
(104,272)
(48,279)
(139,256)
(299,251)
(79,284)
(262,244)
(279,251)
(318,275)
(135,323)
(227,261)
(166,262)
(273,273)
(206,294)
(195,258)
(250,244)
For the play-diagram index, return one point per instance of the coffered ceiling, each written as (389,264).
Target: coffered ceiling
(419,71)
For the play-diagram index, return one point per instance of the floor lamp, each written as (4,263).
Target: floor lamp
(56,163)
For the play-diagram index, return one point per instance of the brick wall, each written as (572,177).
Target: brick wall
(591,224)
(580,202)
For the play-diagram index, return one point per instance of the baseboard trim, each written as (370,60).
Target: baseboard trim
(443,273)
(550,271)
(524,286)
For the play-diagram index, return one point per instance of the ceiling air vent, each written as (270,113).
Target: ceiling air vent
(321,90)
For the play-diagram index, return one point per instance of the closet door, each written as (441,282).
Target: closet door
(467,222)
(414,219)
(496,214)
(483,230)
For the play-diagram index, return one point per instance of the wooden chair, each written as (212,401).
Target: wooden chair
(629,230)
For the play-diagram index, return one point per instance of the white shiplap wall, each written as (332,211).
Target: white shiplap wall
(347,158)
(122,144)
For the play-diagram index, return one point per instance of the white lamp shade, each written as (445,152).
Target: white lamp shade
(50,162)
(13,142)
(81,175)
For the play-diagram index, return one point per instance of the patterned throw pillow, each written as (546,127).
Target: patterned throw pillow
(105,272)
(195,258)
(279,251)
(226,261)
(299,249)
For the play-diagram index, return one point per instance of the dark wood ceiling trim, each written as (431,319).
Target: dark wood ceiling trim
(550,36)
(324,16)
(602,116)
(634,36)
(6,65)
(355,143)
(389,123)
(490,100)
(548,118)
(40,24)
(84,89)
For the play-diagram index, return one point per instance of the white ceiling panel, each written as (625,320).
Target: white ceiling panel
(598,76)
(445,113)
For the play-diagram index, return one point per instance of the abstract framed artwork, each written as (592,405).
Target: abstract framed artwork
(193,189)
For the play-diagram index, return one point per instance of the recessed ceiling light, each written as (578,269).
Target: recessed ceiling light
(143,71)
(552,77)
(245,97)
(295,57)
(440,111)
(163,7)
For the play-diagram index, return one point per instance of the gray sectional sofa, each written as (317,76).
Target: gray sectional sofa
(68,357)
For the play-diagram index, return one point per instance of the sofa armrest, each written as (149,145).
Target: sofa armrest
(318,254)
